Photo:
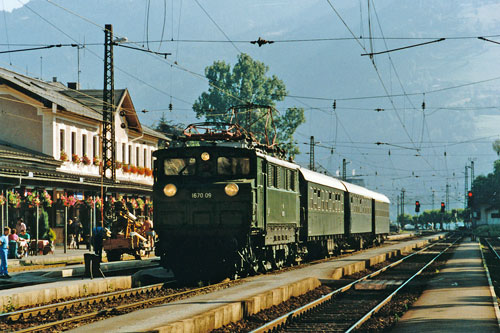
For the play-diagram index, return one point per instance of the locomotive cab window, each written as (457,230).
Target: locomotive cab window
(233,166)
(179,166)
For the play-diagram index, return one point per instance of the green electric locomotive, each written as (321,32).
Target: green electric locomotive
(225,206)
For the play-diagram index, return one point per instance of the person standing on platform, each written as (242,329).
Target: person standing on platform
(71,235)
(20,225)
(77,231)
(98,240)
(13,239)
(4,247)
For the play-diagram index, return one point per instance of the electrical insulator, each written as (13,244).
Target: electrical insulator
(170,107)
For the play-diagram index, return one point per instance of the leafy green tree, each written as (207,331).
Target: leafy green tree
(486,189)
(247,84)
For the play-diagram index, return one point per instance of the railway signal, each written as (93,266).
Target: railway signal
(470,199)
(417,206)
(442,207)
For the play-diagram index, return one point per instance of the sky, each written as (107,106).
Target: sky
(9,5)
(407,119)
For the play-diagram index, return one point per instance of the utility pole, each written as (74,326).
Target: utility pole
(433,199)
(108,103)
(471,173)
(447,196)
(466,189)
(403,203)
(311,154)
(397,209)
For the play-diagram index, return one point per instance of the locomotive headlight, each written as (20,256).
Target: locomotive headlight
(170,190)
(231,189)
(205,156)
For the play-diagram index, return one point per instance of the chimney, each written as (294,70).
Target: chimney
(73,85)
(54,79)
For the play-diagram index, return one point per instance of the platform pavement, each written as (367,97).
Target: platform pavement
(73,256)
(203,313)
(458,299)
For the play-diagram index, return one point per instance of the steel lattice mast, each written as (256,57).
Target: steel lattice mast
(108,109)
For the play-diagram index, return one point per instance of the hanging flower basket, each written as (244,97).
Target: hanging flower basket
(86,160)
(14,199)
(32,200)
(140,203)
(76,159)
(98,203)
(2,200)
(46,199)
(133,203)
(64,156)
(68,201)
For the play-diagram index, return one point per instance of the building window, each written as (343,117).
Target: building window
(95,146)
(84,144)
(73,143)
(129,154)
(123,152)
(62,138)
(145,157)
(137,156)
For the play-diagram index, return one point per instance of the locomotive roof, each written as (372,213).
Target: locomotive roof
(319,178)
(351,188)
(278,161)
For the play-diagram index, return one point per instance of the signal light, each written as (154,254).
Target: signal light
(470,199)
(417,206)
(442,207)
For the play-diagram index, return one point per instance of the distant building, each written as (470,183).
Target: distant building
(485,214)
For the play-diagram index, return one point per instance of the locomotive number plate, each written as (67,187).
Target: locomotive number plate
(201,195)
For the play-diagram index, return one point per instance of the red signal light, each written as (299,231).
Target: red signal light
(470,194)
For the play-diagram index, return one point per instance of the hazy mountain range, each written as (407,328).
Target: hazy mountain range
(327,69)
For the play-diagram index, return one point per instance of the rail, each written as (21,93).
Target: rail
(283,320)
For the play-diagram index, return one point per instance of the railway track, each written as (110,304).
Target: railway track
(347,308)
(64,315)
(490,248)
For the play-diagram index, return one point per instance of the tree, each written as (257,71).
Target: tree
(248,84)
(496,146)
(168,128)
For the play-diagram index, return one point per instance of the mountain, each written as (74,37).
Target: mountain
(420,149)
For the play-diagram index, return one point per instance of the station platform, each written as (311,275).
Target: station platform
(204,313)
(458,299)
(72,256)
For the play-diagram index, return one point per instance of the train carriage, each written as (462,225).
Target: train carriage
(322,206)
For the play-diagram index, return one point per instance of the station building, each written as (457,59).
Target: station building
(50,140)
